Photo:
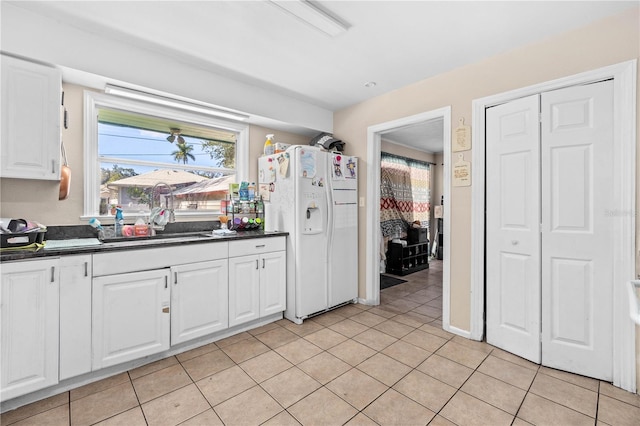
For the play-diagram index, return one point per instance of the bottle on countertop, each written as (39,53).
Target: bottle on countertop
(260,205)
(252,191)
(119,221)
(268,145)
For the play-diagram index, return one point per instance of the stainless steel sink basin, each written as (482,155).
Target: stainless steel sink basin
(158,238)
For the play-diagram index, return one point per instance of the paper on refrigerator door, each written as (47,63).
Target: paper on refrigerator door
(283,165)
(336,169)
(351,166)
(266,170)
(307,164)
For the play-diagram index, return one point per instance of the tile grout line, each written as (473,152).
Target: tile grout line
(525,395)
(459,389)
(598,401)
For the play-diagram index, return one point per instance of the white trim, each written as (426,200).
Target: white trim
(94,100)
(459,332)
(446,229)
(624,75)
(372,272)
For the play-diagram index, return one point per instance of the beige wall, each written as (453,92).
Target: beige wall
(38,200)
(609,41)
(257,137)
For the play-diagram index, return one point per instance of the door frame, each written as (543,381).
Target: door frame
(374,137)
(622,216)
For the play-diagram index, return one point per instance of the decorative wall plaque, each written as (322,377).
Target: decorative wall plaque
(461,172)
(462,137)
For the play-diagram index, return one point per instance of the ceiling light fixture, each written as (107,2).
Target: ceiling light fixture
(174,103)
(370,84)
(172,137)
(313,15)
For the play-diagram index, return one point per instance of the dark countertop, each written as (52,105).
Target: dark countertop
(117,244)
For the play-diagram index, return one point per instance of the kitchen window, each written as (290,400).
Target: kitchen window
(131,146)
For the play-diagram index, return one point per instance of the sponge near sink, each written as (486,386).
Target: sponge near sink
(127,231)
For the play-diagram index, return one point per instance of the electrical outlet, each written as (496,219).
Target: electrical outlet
(361,201)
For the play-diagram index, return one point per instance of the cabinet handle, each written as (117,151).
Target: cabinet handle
(256,263)
(260,246)
(175,279)
(166,282)
(262,263)
(53,273)
(86,269)
(53,166)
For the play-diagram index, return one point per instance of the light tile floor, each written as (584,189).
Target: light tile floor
(358,365)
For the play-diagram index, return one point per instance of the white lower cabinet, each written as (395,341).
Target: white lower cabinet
(29,327)
(273,279)
(244,289)
(199,300)
(131,316)
(68,316)
(75,315)
(257,279)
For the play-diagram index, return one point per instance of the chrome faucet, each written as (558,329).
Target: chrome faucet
(152,216)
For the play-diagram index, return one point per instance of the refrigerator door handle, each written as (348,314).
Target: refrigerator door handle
(330,216)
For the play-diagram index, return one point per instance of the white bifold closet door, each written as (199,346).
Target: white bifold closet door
(549,245)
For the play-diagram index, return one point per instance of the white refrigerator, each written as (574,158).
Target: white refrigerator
(313,195)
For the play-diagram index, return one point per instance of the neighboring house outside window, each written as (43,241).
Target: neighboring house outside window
(131,146)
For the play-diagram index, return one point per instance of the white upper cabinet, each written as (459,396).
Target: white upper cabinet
(31,100)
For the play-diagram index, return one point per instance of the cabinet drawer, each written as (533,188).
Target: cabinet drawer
(119,262)
(256,246)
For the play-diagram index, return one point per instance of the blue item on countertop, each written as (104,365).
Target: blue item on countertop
(119,221)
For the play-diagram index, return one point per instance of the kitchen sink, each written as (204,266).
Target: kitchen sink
(187,236)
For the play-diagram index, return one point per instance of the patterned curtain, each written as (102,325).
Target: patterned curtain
(404,193)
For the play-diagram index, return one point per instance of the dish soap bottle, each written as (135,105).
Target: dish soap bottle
(119,221)
(268,145)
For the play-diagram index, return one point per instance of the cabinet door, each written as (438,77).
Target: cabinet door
(31,95)
(199,300)
(29,328)
(273,283)
(130,316)
(244,289)
(75,315)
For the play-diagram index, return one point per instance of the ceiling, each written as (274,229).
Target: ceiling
(426,136)
(391,43)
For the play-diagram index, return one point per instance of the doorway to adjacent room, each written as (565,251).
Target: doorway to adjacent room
(374,138)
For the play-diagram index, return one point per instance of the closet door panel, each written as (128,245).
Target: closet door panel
(513,233)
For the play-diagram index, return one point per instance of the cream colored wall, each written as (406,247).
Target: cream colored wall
(38,200)
(609,41)
(257,137)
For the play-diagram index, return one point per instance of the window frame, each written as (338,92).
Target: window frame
(93,101)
